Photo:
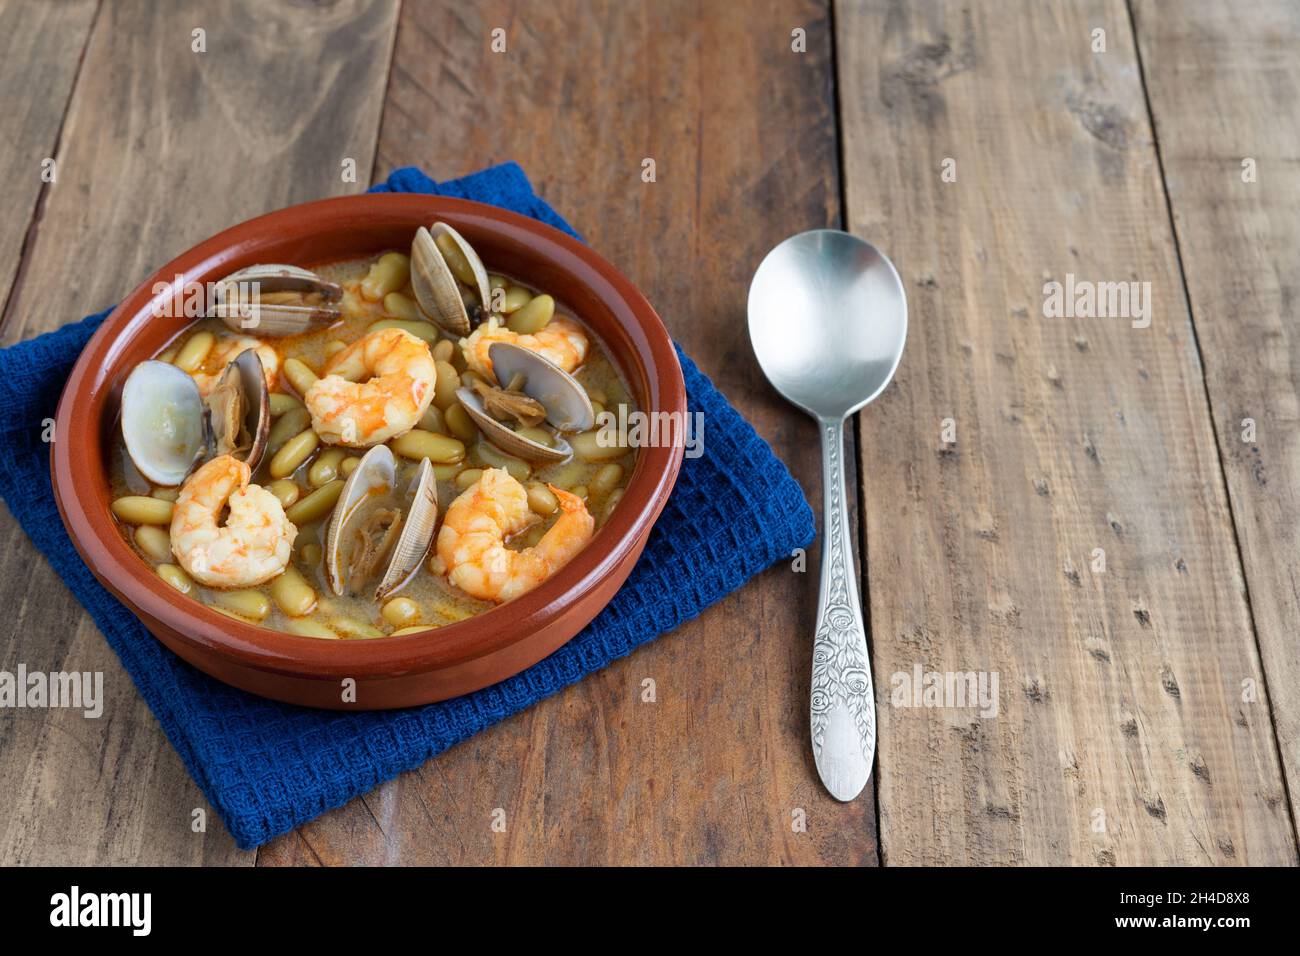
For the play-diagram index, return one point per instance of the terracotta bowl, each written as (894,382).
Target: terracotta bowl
(390,671)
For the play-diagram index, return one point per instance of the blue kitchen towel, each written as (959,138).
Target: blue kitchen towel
(267,767)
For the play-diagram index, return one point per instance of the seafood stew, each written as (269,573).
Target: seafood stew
(370,447)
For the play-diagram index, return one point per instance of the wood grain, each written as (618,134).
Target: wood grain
(1122,736)
(162,146)
(1223,86)
(40,46)
(741,130)
(1127,731)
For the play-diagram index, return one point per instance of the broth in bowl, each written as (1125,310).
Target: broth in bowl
(371,447)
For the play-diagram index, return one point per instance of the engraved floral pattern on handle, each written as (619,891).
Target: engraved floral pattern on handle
(842,697)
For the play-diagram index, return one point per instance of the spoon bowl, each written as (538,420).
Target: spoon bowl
(828,319)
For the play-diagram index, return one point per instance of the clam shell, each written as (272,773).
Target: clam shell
(275,319)
(377,470)
(278,277)
(163,422)
(567,404)
(417,534)
(481,286)
(240,394)
(509,441)
(436,291)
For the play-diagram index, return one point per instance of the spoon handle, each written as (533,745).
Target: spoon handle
(843,702)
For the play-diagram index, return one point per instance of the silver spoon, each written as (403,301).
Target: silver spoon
(828,318)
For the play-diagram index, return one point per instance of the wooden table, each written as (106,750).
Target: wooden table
(1100,511)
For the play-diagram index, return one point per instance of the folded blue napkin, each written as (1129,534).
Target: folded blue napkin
(267,767)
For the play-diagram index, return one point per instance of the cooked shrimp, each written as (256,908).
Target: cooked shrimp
(253,545)
(226,350)
(562,341)
(375,389)
(472,542)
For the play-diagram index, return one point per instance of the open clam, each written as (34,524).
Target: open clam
(169,427)
(276,300)
(378,532)
(533,385)
(239,410)
(163,422)
(437,278)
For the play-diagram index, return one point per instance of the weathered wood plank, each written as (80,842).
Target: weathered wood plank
(1121,736)
(1223,86)
(162,147)
(741,131)
(40,46)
